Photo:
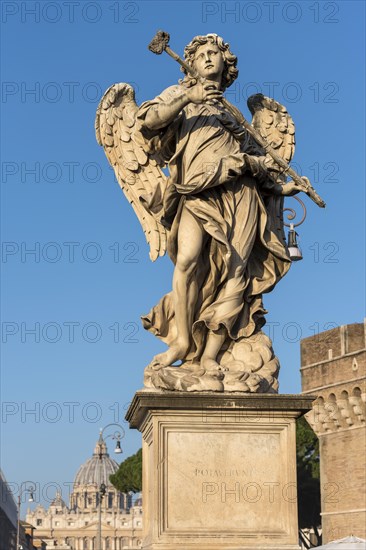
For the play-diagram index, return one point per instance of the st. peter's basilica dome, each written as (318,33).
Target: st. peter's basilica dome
(98,468)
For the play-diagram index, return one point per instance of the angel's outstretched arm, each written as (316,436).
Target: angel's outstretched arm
(265,175)
(288,189)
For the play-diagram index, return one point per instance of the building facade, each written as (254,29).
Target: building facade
(8,516)
(333,367)
(76,526)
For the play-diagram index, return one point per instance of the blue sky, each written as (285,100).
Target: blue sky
(89,279)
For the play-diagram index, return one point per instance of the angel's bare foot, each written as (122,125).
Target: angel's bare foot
(177,351)
(210,365)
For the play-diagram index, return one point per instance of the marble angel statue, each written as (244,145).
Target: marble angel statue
(218,215)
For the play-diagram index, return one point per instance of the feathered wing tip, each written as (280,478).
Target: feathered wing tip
(137,173)
(275,125)
(113,98)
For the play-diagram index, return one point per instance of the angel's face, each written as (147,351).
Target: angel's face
(208,61)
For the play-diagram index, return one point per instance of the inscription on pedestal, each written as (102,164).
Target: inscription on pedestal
(232,476)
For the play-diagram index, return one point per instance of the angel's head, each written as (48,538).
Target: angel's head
(210,56)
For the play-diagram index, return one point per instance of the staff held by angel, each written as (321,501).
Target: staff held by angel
(218,215)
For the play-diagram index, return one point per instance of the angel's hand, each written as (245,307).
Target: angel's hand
(202,92)
(291,188)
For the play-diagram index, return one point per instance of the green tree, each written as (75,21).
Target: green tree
(308,479)
(128,477)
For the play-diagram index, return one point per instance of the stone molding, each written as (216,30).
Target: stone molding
(337,411)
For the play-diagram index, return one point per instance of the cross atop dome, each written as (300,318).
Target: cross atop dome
(100,447)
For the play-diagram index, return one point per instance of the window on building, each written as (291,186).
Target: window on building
(39,522)
(86,523)
(57,523)
(110,500)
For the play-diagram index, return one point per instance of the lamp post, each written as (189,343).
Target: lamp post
(102,492)
(117,435)
(22,489)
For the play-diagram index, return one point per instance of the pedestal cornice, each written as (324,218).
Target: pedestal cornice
(147,400)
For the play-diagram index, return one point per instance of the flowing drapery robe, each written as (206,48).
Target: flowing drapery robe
(217,174)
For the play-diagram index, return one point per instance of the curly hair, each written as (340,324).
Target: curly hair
(230,72)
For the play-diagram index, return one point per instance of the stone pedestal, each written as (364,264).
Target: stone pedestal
(219,469)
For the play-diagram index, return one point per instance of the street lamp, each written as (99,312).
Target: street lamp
(118,449)
(117,435)
(31,489)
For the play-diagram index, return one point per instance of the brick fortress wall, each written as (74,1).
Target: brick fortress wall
(333,367)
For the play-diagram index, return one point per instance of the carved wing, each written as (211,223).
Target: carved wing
(275,125)
(138,174)
(277,128)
